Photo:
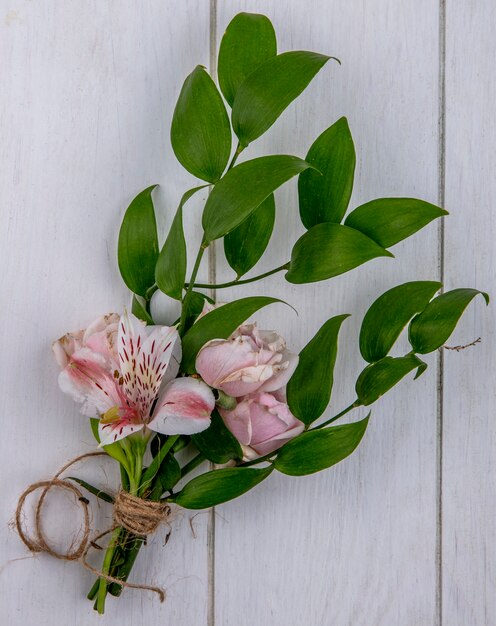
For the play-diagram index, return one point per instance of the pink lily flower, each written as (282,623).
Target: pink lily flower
(130,383)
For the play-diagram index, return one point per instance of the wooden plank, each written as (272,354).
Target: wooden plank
(356,544)
(87,98)
(469,430)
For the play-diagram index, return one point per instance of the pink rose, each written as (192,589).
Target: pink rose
(99,337)
(250,360)
(262,423)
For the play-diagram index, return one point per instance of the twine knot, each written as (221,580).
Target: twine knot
(141,517)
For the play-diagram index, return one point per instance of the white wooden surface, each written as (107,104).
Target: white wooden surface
(401,534)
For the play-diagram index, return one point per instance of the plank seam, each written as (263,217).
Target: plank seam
(212,279)
(441,271)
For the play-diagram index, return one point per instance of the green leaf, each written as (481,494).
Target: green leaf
(200,131)
(218,486)
(390,313)
(138,308)
(430,329)
(243,189)
(193,306)
(316,450)
(170,271)
(245,244)
(218,324)
(327,250)
(309,389)
(166,478)
(217,443)
(94,490)
(154,467)
(249,40)
(138,243)
(390,220)
(378,378)
(270,89)
(324,195)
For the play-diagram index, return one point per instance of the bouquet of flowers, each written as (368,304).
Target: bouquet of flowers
(234,394)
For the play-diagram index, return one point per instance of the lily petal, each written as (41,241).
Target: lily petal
(112,432)
(144,356)
(184,408)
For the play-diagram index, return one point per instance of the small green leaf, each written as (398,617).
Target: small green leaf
(249,40)
(200,131)
(217,443)
(139,310)
(316,450)
(327,250)
(243,189)
(170,271)
(193,305)
(430,329)
(218,324)
(154,467)
(218,486)
(245,244)
(309,389)
(166,478)
(138,243)
(113,449)
(324,195)
(390,313)
(379,377)
(270,89)
(94,490)
(390,220)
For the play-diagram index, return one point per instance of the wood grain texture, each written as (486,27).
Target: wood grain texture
(355,544)
(469,426)
(87,98)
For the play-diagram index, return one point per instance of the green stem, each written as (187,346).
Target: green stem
(190,285)
(239,150)
(190,466)
(245,281)
(102,588)
(336,417)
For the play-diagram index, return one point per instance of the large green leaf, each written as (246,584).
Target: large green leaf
(243,189)
(379,377)
(249,40)
(217,443)
(213,488)
(309,389)
(324,195)
(200,131)
(316,450)
(267,91)
(390,220)
(245,244)
(218,324)
(430,329)
(170,271)
(138,243)
(328,250)
(166,478)
(390,313)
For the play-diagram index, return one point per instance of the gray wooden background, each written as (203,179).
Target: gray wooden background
(402,533)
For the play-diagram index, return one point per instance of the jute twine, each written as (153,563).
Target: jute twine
(138,516)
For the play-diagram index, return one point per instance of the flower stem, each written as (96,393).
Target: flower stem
(336,417)
(239,150)
(102,588)
(191,465)
(245,281)
(190,285)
